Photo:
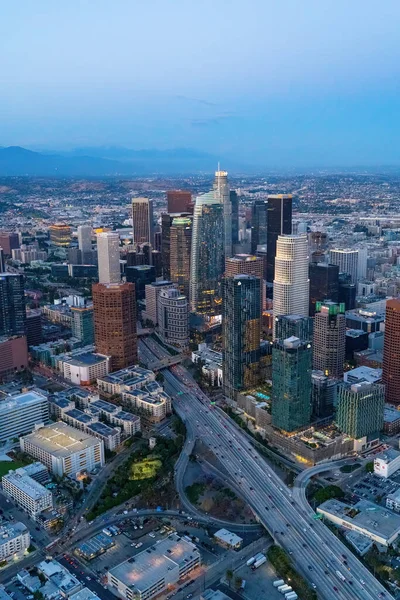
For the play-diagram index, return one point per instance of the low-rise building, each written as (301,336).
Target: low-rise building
(31,495)
(152,571)
(387,463)
(95,546)
(391,420)
(64,450)
(14,540)
(60,577)
(129,423)
(125,380)
(84,594)
(111,436)
(153,407)
(85,368)
(211,364)
(363,373)
(227,539)
(37,471)
(369,519)
(20,414)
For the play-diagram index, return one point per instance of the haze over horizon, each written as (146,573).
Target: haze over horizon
(288,85)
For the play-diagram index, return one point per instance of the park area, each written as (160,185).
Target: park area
(145,469)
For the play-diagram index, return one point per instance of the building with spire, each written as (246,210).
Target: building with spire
(222,193)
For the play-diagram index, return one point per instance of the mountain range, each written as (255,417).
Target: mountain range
(102,162)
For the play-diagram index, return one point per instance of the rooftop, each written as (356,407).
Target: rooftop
(88,359)
(84,594)
(228,537)
(20,400)
(26,484)
(12,531)
(363,374)
(388,455)
(61,440)
(391,414)
(152,564)
(103,429)
(79,415)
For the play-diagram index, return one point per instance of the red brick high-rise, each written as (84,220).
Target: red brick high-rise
(391,352)
(114,311)
(179,201)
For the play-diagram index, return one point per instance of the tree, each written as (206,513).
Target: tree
(369,467)
(238,583)
(229,576)
(160,377)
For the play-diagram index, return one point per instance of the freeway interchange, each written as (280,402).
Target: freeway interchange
(322,559)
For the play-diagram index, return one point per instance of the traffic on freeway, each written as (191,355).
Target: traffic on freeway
(332,570)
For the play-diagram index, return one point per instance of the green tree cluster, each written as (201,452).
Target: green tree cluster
(284,567)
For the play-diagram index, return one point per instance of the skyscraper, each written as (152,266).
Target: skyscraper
(241,333)
(207,260)
(166,224)
(291,284)
(9,241)
(287,326)
(180,249)
(347,291)
(2,261)
(324,284)
(329,347)
(323,395)
(360,408)
(179,201)
(259,212)
(291,383)
(142,219)
(83,324)
(247,264)
(108,256)
(85,244)
(173,317)
(60,234)
(347,261)
(12,305)
(222,193)
(235,218)
(114,310)
(391,351)
(279,222)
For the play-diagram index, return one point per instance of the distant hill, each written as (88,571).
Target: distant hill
(99,162)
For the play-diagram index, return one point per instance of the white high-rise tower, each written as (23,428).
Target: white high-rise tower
(291,283)
(108,257)
(222,193)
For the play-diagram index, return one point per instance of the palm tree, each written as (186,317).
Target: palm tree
(229,576)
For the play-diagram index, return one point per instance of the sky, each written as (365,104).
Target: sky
(283,83)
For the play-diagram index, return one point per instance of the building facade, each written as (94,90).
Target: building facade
(360,408)
(31,495)
(279,222)
(152,292)
(115,323)
(347,261)
(12,305)
(173,317)
(83,324)
(15,539)
(241,333)
(179,201)
(324,284)
(222,192)
(329,343)
(20,414)
(142,221)
(259,212)
(391,352)
(207,260)
(108,257)
(291,283)
(291,384)
(180,249)
(60,235)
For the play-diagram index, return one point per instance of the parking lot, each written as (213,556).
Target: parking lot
(259,582)
(374,488)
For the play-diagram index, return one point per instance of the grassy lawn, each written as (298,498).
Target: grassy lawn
(349,468)
(145,469)
(6,465)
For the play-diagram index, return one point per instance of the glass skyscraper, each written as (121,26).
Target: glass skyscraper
(259,212)
(279,222)
(207,259)
(241,333)
(291,383)
(12,305)
(360,408)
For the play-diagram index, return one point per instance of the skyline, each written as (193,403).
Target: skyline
(270,86)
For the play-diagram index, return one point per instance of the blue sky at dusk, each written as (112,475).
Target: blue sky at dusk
(277,82)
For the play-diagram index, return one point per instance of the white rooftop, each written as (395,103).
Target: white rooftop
(61,440)
(228,537)
(26,484)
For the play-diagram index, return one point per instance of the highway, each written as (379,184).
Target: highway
(315,550)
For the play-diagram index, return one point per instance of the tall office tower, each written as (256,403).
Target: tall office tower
(108,256)
(323,394)
(114,310)
(347,291)
(12,305)
(362,263)
(241,333)
(83,324)
(291,383)
(259,212)
(391,351)
(235,218)
(142,221)
(287,326)
(347,261)
(152,292)
(246,264)
(279,222)
(329,347)
(85,244)
(324,284)
(2,261)
(207,259)
(157,240)
(222,193)
(318,241)
(156,261)
(141,276)
(34,333)
(60,234)
(291,284)
(173,317)
(166,224)
(360,408)
(9,241)
(179,201)
(180,248)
